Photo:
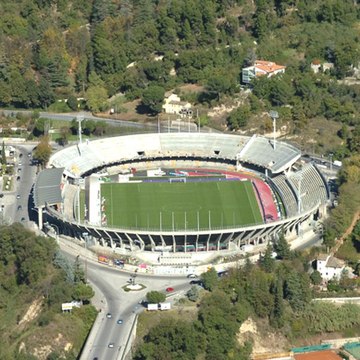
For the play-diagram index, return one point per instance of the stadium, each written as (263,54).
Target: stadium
(192,193)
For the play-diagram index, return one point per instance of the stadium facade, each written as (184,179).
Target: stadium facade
(299,189)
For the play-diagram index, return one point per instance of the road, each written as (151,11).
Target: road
(16,201)
(122,305)
(183,125)
(70,116)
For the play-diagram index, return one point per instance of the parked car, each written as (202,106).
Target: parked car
(111,345)
(108,315)
(169,289)
(192,276)
(120,321)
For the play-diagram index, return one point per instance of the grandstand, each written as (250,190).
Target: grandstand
(287,196)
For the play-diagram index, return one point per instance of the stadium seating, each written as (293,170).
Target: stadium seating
(78,159)
(313,188)
(261,152)
(286,193)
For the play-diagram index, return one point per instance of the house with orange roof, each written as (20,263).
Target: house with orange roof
(261,68)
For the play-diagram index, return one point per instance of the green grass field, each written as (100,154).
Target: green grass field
(179,206)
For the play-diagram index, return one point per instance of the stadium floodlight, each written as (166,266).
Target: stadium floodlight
(79,119)
(274,115)
(331,163)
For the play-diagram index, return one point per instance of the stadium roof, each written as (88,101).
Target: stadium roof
(47,187)
(261,151)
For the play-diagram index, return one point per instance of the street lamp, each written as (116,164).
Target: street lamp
(53,226)
(274,115)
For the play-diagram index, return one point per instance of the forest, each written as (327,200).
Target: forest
(89,52)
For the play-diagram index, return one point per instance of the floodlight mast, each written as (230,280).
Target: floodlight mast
(274,115)
(79,119)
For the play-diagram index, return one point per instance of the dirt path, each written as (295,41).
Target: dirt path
(348,231)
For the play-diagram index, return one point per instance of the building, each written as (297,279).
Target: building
(220,152)
(316,66)
(329,266)
(261,68)
(174,105)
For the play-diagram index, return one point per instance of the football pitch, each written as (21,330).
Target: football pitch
(180,206)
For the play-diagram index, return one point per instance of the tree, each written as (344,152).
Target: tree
(43,151)
(220,84)
(155,297)
(239,117)
(72,102)
(267,262)
(210,279)
(83,292)
(64,135)
(193,293)
(297,290)
(282,248)
(278,313)
(153,98)
(79,274)
(315,277)
(170,339)
(3,155)
(96,97)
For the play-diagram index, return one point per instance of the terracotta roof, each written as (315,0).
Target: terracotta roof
(318,355)
(268,66)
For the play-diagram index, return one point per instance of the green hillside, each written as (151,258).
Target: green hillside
(35,279)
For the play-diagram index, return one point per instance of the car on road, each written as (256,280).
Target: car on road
(19,164)
(22,219)
(120,321)
(192,276)
(108,315)
(18,196)
(196,282)
(169,289)
(18,178)
(19,207)
(20,155)
(111,345)
(19,169)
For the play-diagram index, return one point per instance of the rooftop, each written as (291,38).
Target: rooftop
(318,355)
(268,66)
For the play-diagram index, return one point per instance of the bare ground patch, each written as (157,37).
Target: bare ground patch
(263,338)
(32,312)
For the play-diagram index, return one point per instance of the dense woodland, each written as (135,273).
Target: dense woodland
(92,50)
(34,275)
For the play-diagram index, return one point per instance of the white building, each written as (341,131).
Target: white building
(261,68)
(173,105)
(329,266)
(317,66)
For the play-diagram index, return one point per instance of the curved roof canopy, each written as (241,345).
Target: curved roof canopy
(47,189)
